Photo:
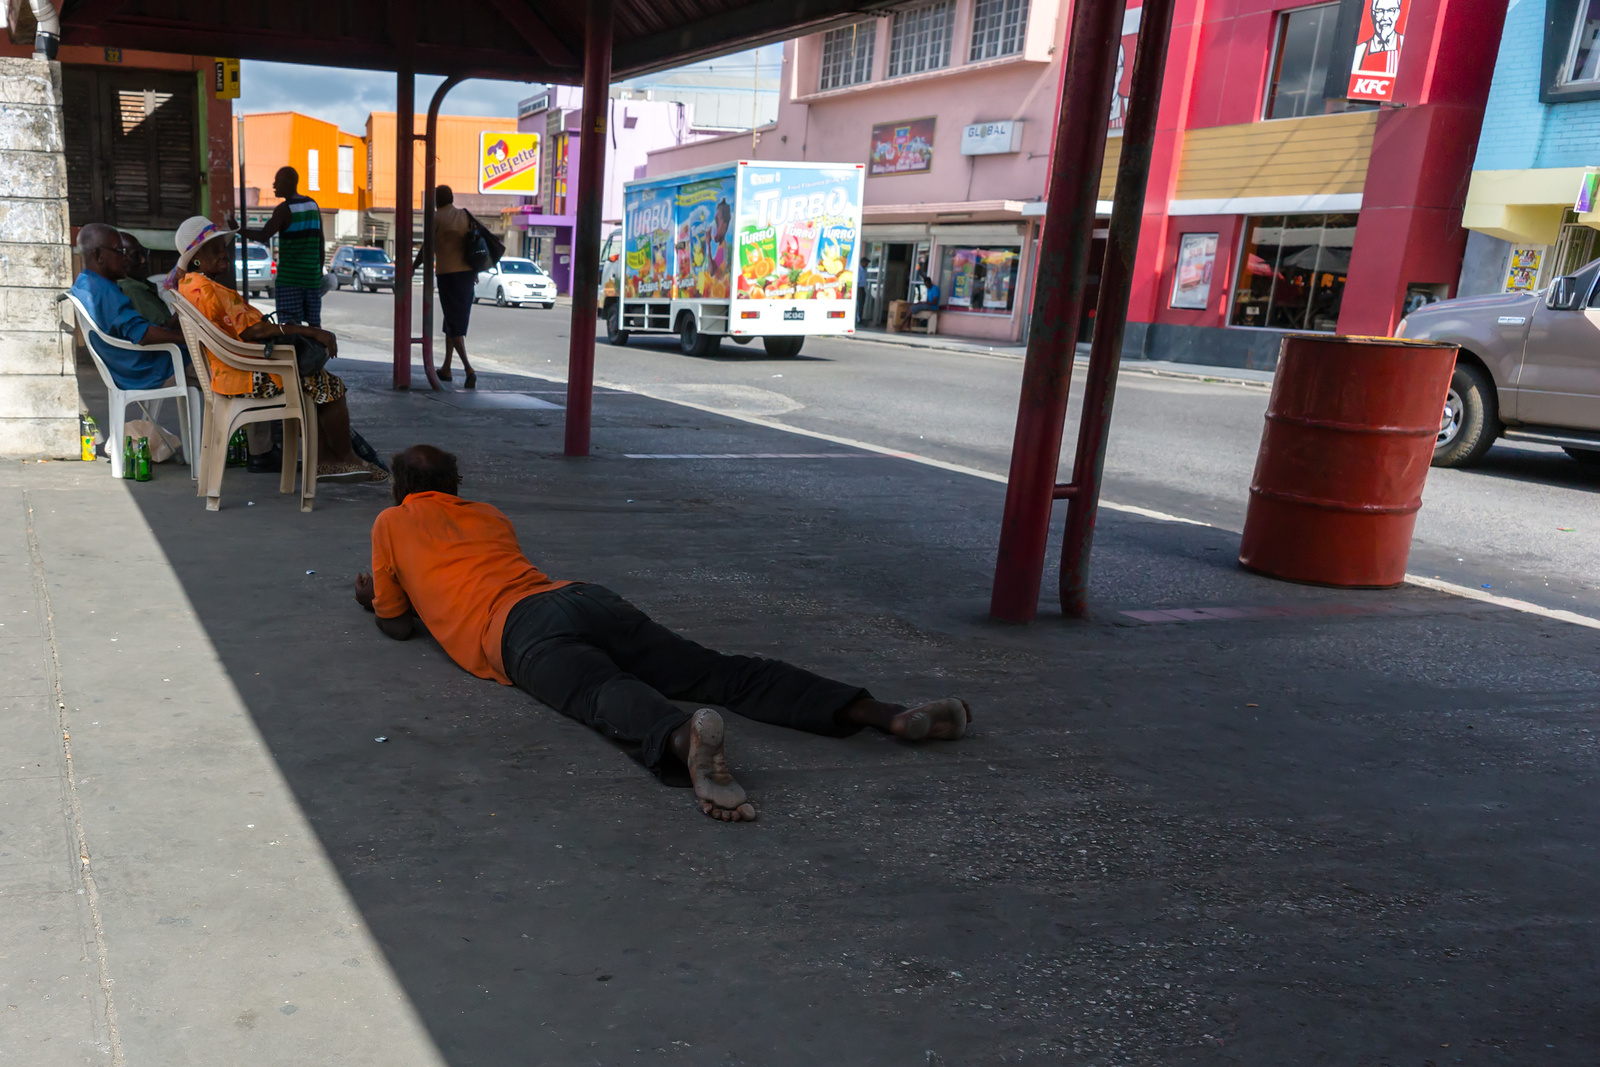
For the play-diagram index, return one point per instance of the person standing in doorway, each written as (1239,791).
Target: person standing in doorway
(451,227)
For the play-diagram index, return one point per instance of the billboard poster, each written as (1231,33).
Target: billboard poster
(704,218)
(648,255)
(798,229)
(1366,54)
(508,163)
(902,147)
(1191,282)
(1522,270)
(1123,85)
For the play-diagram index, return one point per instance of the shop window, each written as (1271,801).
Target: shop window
(1292,271)
(1300,65)
(978,279)
(1576,245)
(847,55)
(998,27)
(919,39)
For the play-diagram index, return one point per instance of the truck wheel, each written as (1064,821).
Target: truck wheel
(1589,457)
(615,334)
(692,341)
(782,347)
(1471,419)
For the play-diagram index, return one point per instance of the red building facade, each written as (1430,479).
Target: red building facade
(1275,206)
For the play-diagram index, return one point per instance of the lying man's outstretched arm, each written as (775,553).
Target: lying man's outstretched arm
(400,627)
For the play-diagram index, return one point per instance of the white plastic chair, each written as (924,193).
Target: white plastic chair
(149,400)
(225,414)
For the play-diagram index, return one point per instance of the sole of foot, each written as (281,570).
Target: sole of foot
(720,796)
(937,720)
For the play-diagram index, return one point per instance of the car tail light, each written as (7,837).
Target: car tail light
(835,314)
(749,314)
(274,268)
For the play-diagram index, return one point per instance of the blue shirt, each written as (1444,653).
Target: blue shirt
(933,295)
(114,313)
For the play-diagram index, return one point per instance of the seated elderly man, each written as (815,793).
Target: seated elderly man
(455,564)
(138,288)
(203,249)
(105,264)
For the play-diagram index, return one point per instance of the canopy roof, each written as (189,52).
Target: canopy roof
(510,39)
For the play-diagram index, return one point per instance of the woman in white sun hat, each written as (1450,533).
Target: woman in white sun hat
(204,250)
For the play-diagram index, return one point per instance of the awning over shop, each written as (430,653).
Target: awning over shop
(1524,206)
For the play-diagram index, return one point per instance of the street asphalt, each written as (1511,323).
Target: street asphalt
(1522,525)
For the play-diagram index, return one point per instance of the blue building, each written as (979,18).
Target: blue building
(1528,216)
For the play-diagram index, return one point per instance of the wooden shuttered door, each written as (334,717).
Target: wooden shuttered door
(132,147)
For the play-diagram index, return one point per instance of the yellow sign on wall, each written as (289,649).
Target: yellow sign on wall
(225,79)
(508,163)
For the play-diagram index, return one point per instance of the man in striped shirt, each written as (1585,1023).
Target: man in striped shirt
(297,224)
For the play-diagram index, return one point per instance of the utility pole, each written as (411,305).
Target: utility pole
(755,103)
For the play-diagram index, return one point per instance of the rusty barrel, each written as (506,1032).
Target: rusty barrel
(1349,436)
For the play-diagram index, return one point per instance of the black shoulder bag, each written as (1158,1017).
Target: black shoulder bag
(483,249)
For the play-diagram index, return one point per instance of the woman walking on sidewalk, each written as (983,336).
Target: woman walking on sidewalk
(451,228)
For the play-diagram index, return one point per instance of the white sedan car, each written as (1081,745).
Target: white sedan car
(516,281)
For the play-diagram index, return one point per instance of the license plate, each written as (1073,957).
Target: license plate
(794,315)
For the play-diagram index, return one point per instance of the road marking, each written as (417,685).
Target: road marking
(742,455)
(1503,601)
(1127,509)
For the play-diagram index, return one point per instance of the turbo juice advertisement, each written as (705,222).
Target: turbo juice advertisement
(798,231)
(648,252)
(704,225)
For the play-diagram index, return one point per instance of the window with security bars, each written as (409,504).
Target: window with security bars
(998,27)
(919,39)
(847,55)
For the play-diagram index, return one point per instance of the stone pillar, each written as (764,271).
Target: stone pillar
(38,380)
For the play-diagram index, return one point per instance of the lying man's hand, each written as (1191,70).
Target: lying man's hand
(364,590)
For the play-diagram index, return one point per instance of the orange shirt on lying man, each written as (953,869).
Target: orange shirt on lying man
(458,565)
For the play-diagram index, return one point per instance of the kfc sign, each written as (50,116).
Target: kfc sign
(1368,40)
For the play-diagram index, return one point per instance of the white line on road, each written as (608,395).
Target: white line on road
(1128,509)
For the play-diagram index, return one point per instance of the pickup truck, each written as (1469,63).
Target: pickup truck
(1529,368)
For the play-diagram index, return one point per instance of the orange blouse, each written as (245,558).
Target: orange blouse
(233,316)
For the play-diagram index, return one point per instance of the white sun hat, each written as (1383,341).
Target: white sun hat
(194,232)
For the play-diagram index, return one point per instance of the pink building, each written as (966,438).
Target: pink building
(541,228)
(951,105)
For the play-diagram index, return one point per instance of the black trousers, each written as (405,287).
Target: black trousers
(593,656)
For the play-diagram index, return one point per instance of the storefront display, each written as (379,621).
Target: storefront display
(979,279)
(1292,271)
(1191,281)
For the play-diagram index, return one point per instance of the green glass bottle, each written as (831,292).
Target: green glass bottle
(141,461)
(127,456)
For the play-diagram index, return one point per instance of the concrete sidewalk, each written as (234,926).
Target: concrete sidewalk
(1325,827)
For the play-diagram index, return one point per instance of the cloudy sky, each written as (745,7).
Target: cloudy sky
(345,96)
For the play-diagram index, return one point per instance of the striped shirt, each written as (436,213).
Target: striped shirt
(300,244)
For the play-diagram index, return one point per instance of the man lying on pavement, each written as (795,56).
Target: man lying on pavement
(456,565)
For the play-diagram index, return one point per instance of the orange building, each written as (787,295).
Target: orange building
(332,163)
(457,154)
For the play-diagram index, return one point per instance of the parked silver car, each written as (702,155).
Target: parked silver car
(1529,368)
(362,269)
(263,272)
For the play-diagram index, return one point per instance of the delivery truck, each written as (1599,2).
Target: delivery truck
(742,250)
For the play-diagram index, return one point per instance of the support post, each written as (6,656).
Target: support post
(404,134)
(242,264)
(1063,270)
(586,231)
(1111,314)
(430,171)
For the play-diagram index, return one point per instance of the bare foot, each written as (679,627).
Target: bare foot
(937,720)
(720,796)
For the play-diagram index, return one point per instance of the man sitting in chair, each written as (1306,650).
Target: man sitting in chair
(105,263)
(929,302)
(455,564)
(204,250)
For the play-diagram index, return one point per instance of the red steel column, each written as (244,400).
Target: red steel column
(586,230)
(1111,314)
(404,134)
(1080,144)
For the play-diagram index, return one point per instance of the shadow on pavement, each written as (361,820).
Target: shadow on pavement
(1360,834)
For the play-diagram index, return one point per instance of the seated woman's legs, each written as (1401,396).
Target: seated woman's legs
(333,433)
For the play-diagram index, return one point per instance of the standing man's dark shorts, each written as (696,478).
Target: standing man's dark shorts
(455,300)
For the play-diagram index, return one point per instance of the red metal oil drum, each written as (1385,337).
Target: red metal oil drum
(1350,433)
